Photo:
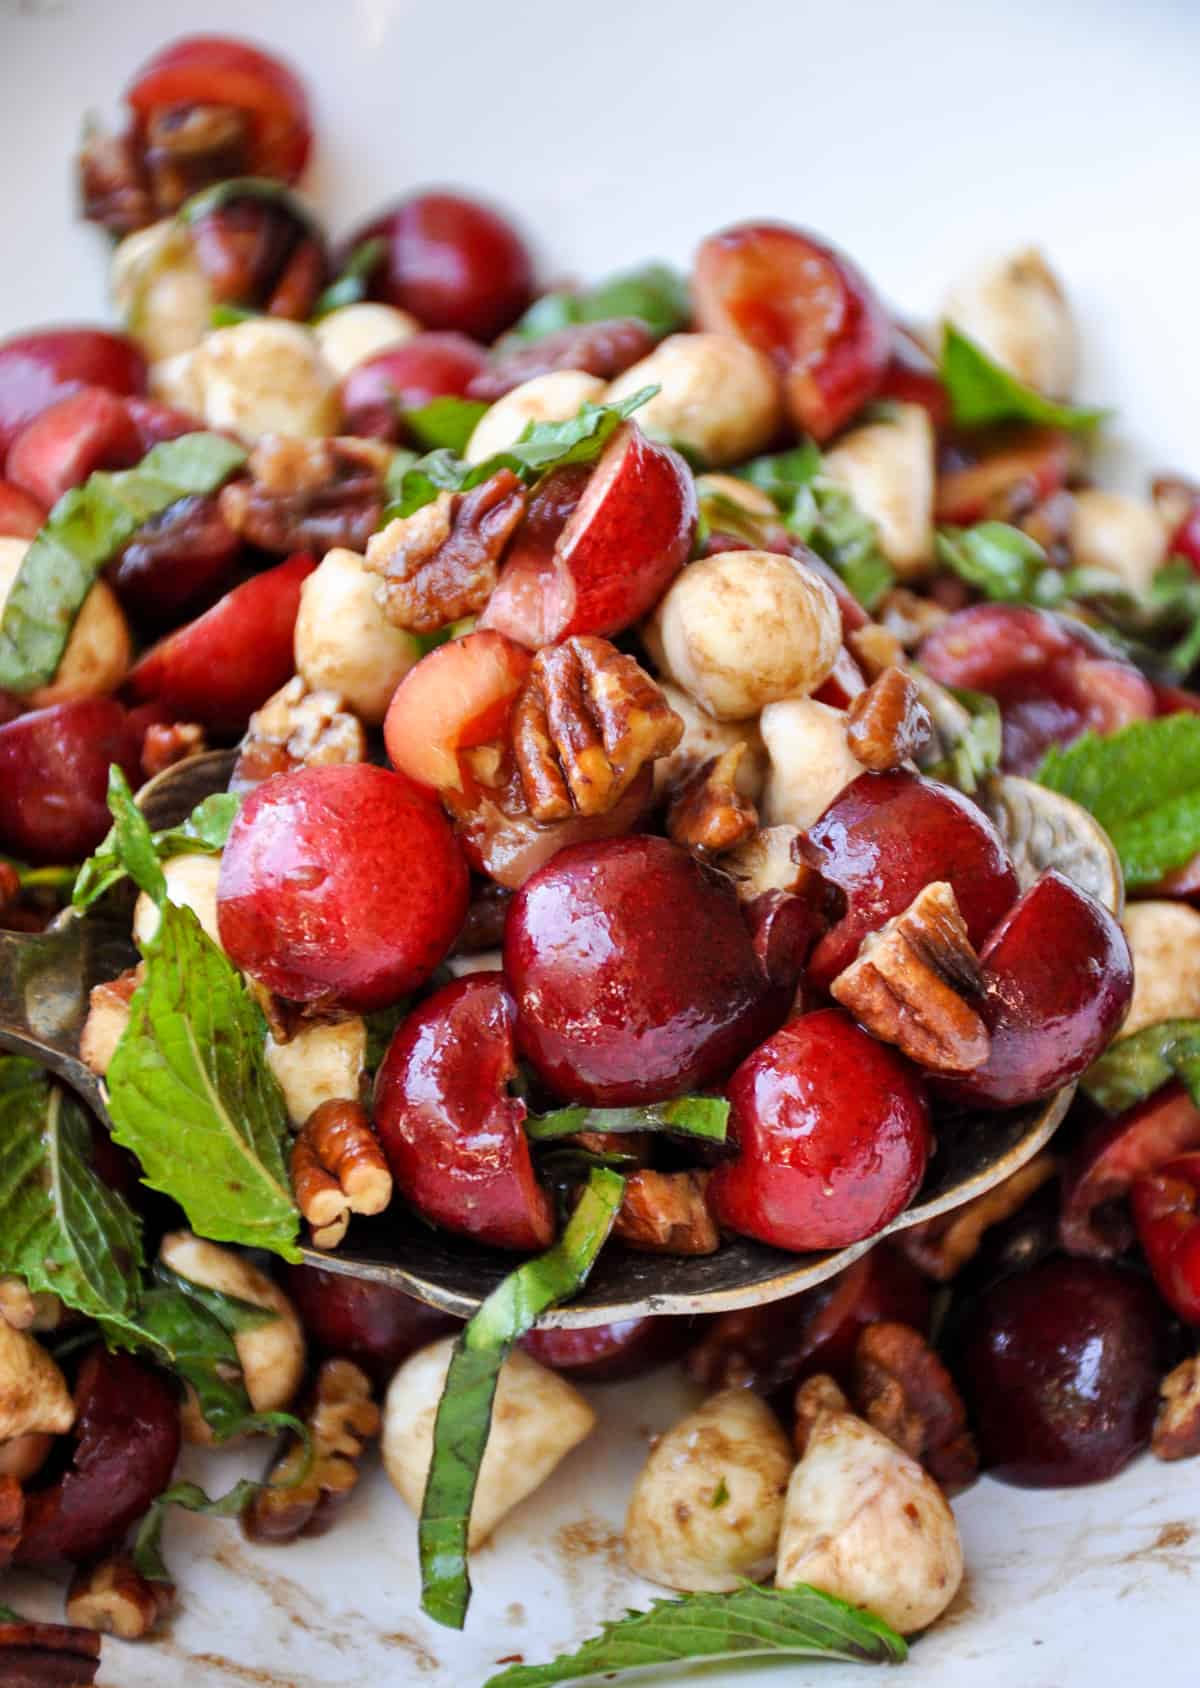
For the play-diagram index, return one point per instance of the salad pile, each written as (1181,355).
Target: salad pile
(624,689)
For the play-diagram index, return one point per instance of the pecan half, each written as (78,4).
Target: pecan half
(443,562)
(666,1213)
(113,1597)
(710,813)
(296,728)
(904,1390)
(166,743)
(587,722)
(107,1018)
(942,1247)
(887,724)
(48,1656)
(188,147)
(113,190)
(910,983)
(308,495)
(338,1169)
(1176,1433)
(343,1417)
(597,348)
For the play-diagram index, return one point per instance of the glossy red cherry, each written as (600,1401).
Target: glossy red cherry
(611,1353)
(125,1444)
(808,307)
(832,1130)
(452,262)
(458,696)
(176,563)
(885,838)
(54,777)
(340,884)
(911,377)
(1060,1368)
(406,377)
(373,1324)
(48,363)
(634,973)
(1058,980)
(1052,678)
(59,449)
(20,515)
(450,1128)
(1108,1160)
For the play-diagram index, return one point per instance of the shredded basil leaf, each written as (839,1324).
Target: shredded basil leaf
(980,391)
(351,286)
(656,294)
(445,422)
(1135,1067)
(689,1116)
(204,832)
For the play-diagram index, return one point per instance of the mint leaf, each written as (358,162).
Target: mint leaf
(980,391)
(190,1093)
(351,285)
(61,1228)
(657,294)
(1143,785)
(751,1622)
(83,532)
(465,1411)
(147,1545)
(445,422)
(204,832)
(1135,1067)
(689,1116)
(183,1335)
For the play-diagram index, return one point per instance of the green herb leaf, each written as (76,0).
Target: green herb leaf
(465,1411)
(350,288)
(785,474)
(61,1228)
(204,832)
(1143,785)
(1135,1067)
(980,391)
(720,1495)
(190,1093)
(8,1616)
(688,1116)
(229,316)
(657,294)
(183,1335)
(446,422)
(147,1546)
(968,736)
(83,532)
(750,1622)
(998,560)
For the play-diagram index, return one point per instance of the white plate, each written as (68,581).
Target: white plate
(920,137)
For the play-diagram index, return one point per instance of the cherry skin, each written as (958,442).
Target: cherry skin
(1058,981)
(54,777)
(176,563)
(59,449)
(1108,1161)
(20,515)
(1060,1369)
(452,262)
(887,836)
(605,349)
(340,884)
(352,1318)
(47,364)
(406,377)
(833,1137)
(611,1353)
(451,1131)
(634,974)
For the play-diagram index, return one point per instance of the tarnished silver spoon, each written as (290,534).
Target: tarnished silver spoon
(45,979)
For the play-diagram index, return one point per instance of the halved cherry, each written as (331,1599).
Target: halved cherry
(54,775)
(20,515)
(405,377)
(47,364)
(1112,1155)
(88,430)
(458,696)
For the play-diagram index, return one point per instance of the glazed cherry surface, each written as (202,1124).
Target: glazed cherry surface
(832,1133)
(1058,980)
(87,430)
(1060,1369)
(340,884)
(807,307)
(54,777)
(176,563)
(452,262)
(1110,1157)
(406,377)
(47,364)
(373,1324)
(886,837)
(634,973)
(450,1128)
(611,1353)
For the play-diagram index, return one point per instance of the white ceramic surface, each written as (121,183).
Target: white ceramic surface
(920,136)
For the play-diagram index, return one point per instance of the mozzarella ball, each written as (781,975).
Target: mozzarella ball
(1164,938)
(810,761)
(1125,536)
(704,738)
(321,1063)
(718,396)
(160,290)
(536,1420)
(178,381)
(888,469)
(266,377)
(1016,311)
(864,1522)
(746,628)
(351,335)
(344,643)
(99,649)
(547,398)
(191,883)
(707,1508)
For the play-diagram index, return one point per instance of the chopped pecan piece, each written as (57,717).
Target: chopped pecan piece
(48,1656)
(1176,1433)
(114,1598)
(887,724)
(816,1395)
(108,1015)
(910,982)
(113,190)
(942,1247)
(904,1390)
(666,1213)
(167,743)
(308,495)
(188,147)
(338,1169)
(587,722)
(442,562)
(342,1418)
(710,813)
(296,728)
(597,348)
(12,1521)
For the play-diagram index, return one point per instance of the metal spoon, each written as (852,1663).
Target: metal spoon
(45,979)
